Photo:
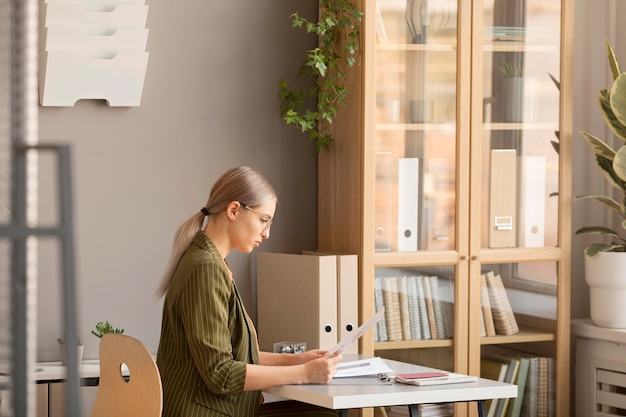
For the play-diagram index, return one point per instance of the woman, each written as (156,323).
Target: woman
(208,353)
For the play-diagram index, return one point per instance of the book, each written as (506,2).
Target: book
(514,407)
(391,300)
(404,307)
(380,331)
(424,410)
(430,308)
(438,316)
(529,403)
(446,293)
(542,387)
(510,377)
(452,378)
(496,371)
(551,387)
(423,311)
(422,375)
(483,331)
(414,318)
(490,329)
(503,317)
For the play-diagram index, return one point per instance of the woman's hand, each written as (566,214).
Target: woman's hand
(322,369)
(309,355)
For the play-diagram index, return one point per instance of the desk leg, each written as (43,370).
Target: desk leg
(414,410)
(482,408)
(343,413)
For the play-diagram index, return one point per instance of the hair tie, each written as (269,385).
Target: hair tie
(204,211)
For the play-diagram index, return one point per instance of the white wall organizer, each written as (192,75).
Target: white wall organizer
(92,49)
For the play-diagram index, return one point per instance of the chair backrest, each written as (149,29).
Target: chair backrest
(130,383)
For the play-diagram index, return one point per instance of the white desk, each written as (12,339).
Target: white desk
(47,372)
(347,393)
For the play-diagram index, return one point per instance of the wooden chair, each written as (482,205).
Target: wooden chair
(136,393)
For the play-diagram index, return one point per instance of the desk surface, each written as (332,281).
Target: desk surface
(44,372)
(346,393)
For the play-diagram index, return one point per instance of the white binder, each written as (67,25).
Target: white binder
(503,199)
(532,201)
(347,295)
(408,195)
(383,211)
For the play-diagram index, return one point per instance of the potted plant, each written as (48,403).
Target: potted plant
(514,104)
(103,328)
(313,108)
(605,261)
(79,350)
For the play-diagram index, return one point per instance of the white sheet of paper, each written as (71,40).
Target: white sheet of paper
(353,337)
(371,366)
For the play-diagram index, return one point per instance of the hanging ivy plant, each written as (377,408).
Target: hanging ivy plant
(313,108)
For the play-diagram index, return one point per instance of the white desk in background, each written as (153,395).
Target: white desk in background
(50,378)
(349,393)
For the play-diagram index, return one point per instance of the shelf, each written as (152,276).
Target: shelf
(416,47)
(415,126)
(412,344)
(524,336)
(520,254)
(520,126)
(518,47)
(382,259)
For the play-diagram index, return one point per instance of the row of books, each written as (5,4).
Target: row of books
(417,307)
(496,311)
(421,307)
(534,376)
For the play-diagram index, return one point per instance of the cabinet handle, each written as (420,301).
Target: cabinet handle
(463,257)
(475,258)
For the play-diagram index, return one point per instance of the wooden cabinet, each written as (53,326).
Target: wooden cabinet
(452,159)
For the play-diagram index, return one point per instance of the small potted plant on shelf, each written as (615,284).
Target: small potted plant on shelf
(605,262)
(79,350)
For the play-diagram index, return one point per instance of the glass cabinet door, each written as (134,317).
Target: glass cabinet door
(520,114)
(414,136)
(415,125)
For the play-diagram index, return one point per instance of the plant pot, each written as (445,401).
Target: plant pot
(605,275)
(79,354)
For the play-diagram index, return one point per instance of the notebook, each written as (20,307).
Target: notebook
(450,378)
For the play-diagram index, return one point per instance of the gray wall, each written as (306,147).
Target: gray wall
(209,103)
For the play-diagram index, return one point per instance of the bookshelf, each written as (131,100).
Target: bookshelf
(458,69)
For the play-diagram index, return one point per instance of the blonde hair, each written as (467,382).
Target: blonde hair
(242,184)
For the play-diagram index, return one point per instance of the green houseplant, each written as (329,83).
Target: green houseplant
(80,348)
(612,162)
(103,328)
(605,263)
(312,108)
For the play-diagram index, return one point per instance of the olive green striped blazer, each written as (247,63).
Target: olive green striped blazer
(207,338)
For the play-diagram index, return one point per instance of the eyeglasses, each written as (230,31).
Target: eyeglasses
(266,222)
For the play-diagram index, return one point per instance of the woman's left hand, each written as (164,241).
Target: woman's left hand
(310,355)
